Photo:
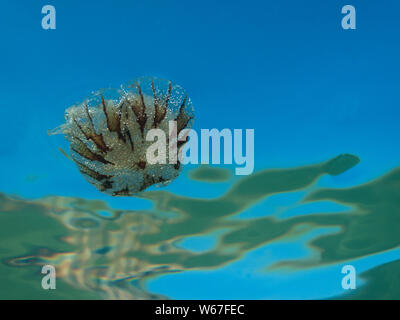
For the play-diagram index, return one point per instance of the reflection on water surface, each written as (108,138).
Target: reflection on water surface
(112,255)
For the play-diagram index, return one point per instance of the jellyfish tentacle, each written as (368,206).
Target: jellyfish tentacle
(141,164)
(106,184)
(159,111)
(113,119)
(128,133)
(168,94)
(96,138)
(141,98)
(104,180)
(180,143)
(81,149)
(147,180)
(123,192)
(124,109)
(139,110)
(92,173)
(183,118)
(89,118)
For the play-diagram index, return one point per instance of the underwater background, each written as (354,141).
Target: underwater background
(324,104)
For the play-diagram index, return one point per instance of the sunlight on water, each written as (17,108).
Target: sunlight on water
(106,253)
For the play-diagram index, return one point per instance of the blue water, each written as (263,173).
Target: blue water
(286,69)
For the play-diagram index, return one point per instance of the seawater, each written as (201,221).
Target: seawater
(101,252)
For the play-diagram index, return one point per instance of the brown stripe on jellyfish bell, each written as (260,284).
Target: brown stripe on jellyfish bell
(107,134)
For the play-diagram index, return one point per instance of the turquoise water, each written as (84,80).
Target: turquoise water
(309,89)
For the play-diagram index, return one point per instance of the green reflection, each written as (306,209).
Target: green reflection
(210,174)
(111,257)
(383,283)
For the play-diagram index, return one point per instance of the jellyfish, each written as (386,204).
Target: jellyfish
(107,134)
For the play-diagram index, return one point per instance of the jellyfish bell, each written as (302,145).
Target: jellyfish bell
(107,134)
